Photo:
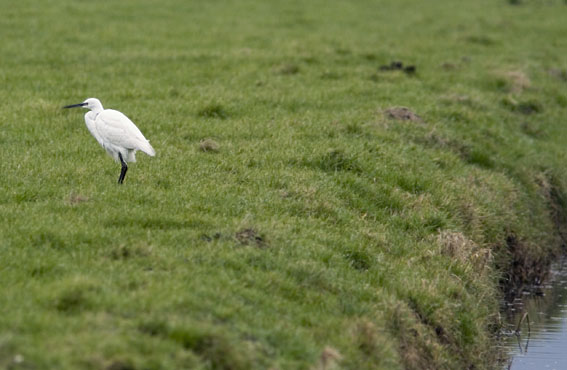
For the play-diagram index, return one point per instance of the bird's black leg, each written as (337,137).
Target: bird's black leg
(123,170)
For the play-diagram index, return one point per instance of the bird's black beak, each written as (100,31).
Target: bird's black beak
(75,105)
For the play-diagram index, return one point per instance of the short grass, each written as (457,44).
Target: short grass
(287,221)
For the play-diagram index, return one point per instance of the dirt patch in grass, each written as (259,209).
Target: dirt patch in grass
(402,114)
(250,236)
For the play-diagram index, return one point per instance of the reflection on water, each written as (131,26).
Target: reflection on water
(541,342)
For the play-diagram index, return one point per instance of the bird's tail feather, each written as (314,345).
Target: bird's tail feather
(148,149)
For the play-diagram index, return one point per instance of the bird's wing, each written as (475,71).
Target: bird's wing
(117,129)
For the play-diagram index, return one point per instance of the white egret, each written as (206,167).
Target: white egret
(115,132)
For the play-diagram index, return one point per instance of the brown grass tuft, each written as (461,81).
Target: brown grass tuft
(209,145)
(514,82)
(74,199)
(464,250)
(366,337)
(329,359)
(519,81)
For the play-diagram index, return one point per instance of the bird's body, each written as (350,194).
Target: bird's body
(117,134)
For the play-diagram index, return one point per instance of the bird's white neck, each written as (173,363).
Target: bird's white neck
(97,108)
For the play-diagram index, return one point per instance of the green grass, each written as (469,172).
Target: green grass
(286,222)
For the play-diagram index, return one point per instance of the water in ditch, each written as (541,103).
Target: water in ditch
(536,329)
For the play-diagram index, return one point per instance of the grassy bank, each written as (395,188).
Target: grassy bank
(291,218)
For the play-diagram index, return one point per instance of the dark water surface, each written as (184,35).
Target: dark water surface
(541,342)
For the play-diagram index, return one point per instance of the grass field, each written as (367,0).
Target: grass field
(287,221)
